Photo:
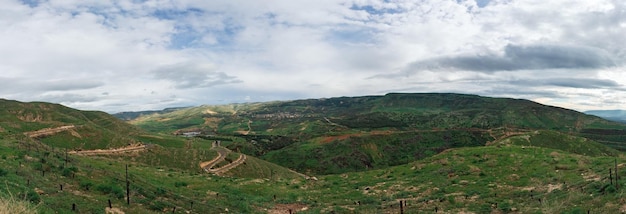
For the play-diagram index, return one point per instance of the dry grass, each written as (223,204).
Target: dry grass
(10,205)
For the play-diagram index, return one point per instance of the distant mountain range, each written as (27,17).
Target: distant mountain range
(614,115)
(131,115)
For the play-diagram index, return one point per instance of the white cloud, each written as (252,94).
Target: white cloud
(136,55)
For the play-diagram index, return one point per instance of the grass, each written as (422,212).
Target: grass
(556,140)
(428,168)
(465,179)
(10,204)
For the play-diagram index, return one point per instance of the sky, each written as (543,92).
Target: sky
(138,55)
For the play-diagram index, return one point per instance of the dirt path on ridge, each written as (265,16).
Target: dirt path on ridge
(48,131)
(131,148)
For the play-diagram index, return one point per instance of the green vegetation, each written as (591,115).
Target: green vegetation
(556,140)
(446,152)
(91,129)
(358,152)
(336,135)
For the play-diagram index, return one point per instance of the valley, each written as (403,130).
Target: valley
(410,153)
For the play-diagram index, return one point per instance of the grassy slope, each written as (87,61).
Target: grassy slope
(89,182)
(475,179)
(93,129)
(295,133)
(556,140)
(503,174)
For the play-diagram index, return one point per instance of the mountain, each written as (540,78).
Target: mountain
(64,127)
(131,115)
(397,111)
(335,135)
(614,115)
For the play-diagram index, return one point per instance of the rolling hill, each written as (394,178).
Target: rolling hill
(431,152)
(60,126)
(335,135)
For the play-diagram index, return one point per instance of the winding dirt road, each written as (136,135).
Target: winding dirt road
(221,156)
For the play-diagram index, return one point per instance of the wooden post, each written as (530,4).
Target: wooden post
(73,207)
(191,206)
(61,187)
(110,206)
(611,176)
(616,176)
(127,187)
(401,207)
(174,210)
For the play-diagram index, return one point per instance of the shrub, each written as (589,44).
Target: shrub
(86,184)
(158,206)
(112,189)
(3,172)
(33,196)
(67,172)
(160,191)
(180,184)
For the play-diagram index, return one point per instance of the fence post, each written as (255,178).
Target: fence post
(616,176)
(127,187)
(611,176)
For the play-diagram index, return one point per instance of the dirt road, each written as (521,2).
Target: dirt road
(131,148)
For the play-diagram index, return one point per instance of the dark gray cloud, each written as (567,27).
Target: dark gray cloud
(68,85)
(568,82)
(194,75)
(68,98)
(512,91)
(25,85)
(517,57)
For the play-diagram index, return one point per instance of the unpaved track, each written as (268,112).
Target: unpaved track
(239,161)
(133,148)
(48,131)
(221,156)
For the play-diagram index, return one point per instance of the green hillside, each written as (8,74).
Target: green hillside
(335,135)
(91,129)
(519,179)
(434,152)
(400,111)
(556,140)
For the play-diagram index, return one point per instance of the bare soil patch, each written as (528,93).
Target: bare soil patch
(284,208)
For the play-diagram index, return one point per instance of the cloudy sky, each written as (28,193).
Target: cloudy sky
(152,54)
